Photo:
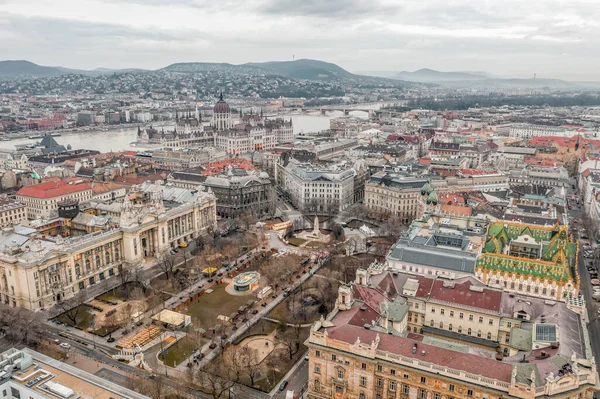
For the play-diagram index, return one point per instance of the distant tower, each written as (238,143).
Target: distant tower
(577,142)
(222,115)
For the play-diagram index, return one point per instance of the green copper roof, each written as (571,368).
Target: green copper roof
(426,189)
(433,198)
(558,254)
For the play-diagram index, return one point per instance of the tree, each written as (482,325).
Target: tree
(278,270)
(166,262)
(124,274)
(338,231)
(290,338)
(247,219)
(250,364)
(216,379)
(19,326)
(73,306)
(393,227)
(153,388)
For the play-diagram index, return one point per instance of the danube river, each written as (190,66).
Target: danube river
(121,139)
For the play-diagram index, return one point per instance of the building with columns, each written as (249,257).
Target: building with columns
(38,271)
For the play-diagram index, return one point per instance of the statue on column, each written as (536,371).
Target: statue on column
(316,230)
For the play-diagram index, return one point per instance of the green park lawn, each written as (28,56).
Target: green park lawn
(205,310)
(178,352)
(296,241)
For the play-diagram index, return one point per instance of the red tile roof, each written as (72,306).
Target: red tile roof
(461,293)
(104,187)
(469,363)
(53,189)
(455,210)
(369,296)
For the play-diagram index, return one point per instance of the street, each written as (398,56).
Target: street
(297,379)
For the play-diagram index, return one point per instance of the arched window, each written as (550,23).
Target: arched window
(317,385)
(77,269)
(441,324)
(88,266)
(362,396)
(489,336)
(107,257)
(116,254)
(459,329)
(479,333)
(98,262)
(449,327)
(469,331)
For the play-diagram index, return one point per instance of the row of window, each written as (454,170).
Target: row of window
(461,315)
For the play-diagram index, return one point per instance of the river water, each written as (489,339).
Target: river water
(121,139)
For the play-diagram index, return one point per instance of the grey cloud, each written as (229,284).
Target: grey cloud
(324,8)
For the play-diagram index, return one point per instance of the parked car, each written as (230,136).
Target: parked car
(284,383)
(65,345)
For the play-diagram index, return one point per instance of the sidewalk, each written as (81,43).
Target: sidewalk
(238,333)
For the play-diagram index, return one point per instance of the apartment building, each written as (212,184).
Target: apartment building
(11,212)
(41,200)
(395,336)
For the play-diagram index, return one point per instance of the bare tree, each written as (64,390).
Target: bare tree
(124,274)
(250,364)
(73,306)
(215,379)
(289,337)
(127,313)
(20,326)
(153,388)
(167,262)
(393,227)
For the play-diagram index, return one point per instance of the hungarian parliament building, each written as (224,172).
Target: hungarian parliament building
(249,133)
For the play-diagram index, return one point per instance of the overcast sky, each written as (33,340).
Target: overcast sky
(553,38)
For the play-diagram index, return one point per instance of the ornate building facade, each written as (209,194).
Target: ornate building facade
(37,271)
(536,260)
(367,348)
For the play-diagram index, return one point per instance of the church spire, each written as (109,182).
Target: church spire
(221,96)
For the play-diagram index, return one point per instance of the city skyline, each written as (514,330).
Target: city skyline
(516,39)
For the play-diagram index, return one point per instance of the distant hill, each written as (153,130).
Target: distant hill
(427,75)
(305,69)
(477,79)
(299,69)
(25,69)
(21,69)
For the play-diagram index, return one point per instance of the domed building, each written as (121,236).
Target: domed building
(222,115)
